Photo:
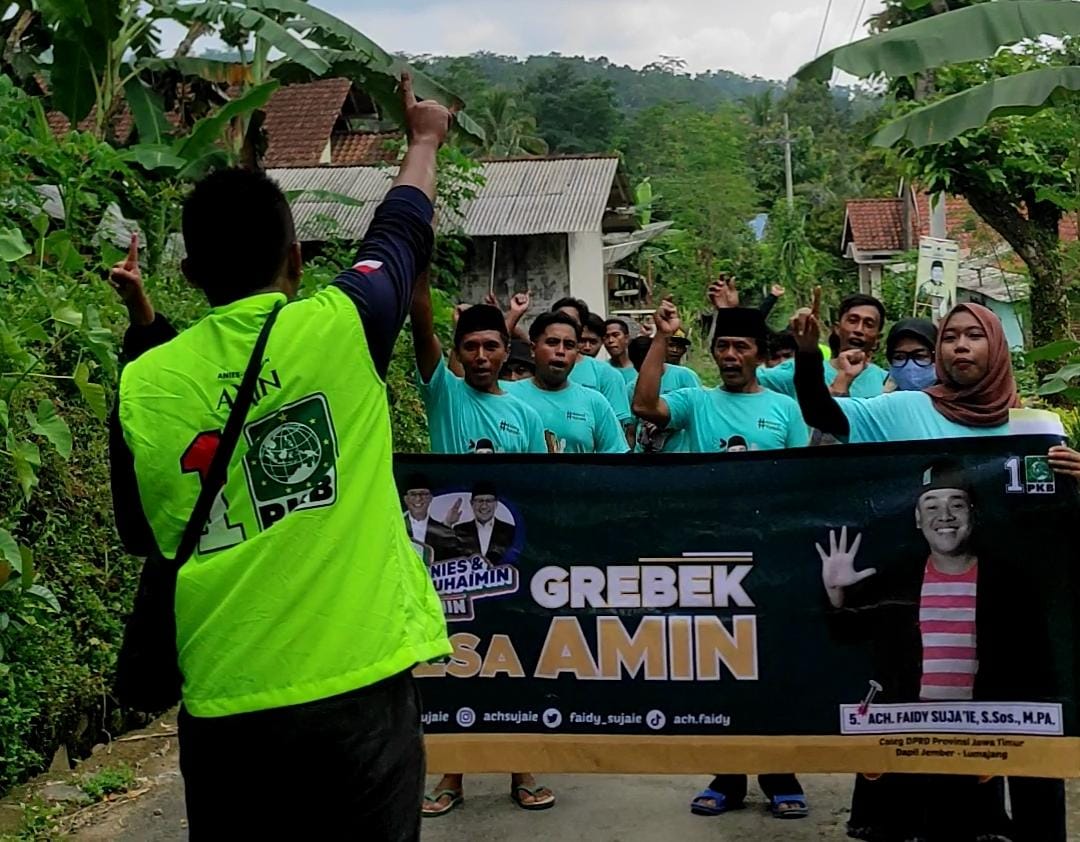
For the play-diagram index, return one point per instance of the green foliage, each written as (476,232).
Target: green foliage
(962,35)
(697,166)
(574,114)
(108,781)
(40,823)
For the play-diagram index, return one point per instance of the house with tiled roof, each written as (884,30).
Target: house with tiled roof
(328,122)
(878,233)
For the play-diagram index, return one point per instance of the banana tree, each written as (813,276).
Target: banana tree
(969,34)
(294,41)
(990,127)
(92,41)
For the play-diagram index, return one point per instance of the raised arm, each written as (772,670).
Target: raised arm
(397,246)
(819,408)
(647,403)
(425,340)
(427,124)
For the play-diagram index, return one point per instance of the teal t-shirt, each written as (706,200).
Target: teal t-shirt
(576,419)
(869,384)
(463,420)
(629,373)
(674,377)
(648,438)
(604,378)
(905,416)
(718,421)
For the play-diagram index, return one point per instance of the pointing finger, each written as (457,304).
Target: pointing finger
(407,95)
(132,261)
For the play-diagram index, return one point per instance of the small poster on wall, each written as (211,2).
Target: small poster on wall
(935,278)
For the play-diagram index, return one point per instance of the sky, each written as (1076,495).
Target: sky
(769,38)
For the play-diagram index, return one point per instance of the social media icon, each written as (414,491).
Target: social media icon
(655,719)
(466,717)
(552,718)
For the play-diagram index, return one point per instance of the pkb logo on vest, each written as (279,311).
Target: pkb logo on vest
(291,462)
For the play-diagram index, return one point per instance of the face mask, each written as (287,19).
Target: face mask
(910,377)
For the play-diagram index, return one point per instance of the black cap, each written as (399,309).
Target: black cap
(742,321)
(921,329)
(944,473)
(484,488)
(480,317)
(521,352)
(411,482)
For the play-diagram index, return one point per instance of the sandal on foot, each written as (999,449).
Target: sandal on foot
(456,798)
(545,797)
(720,803)
(796,808)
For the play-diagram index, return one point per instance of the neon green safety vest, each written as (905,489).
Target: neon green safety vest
(305,583)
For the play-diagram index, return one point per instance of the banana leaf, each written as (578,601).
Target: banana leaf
(968,34)
(941,121)
(206,132)
(212,70)
(148,110)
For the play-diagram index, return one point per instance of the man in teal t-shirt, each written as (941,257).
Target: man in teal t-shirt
(616,339)
(648,437)
(737,416)
(471,415)
(593,374)
(854,336)
(576,419)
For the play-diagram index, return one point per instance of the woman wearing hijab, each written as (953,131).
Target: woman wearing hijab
(972,396)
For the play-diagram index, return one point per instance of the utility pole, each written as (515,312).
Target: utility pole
(787,164)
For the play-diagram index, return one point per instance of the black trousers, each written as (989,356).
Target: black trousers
(350,767)
(734,786)
(956,808)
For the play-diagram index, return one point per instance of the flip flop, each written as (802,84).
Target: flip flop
(456,797)
(798,811)
(535,792)
(721,804)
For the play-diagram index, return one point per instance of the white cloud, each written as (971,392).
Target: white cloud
(770,38)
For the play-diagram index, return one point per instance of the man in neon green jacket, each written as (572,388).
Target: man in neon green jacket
(305,606)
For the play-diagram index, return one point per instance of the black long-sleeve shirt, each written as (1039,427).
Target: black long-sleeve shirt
(819,408)
(396,248)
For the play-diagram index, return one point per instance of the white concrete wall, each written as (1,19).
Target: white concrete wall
(587,278)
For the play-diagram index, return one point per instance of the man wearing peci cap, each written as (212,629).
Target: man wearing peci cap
(470,414)
(910,351)
(740,407)
(735,417)
(421,526)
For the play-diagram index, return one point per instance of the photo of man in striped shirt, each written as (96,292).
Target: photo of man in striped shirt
(952,620)
(949,587)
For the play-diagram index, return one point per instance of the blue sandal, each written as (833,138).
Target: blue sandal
(798,810)
(720,803)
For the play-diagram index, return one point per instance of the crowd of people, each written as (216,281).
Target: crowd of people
(301,611)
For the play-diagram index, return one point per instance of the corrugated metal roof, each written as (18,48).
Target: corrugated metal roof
(519,197)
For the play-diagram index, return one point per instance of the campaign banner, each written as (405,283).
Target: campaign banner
(856,608)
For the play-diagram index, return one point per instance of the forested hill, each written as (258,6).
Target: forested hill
(664,81)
